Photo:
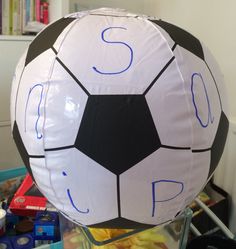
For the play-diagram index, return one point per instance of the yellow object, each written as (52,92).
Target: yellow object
(149,239)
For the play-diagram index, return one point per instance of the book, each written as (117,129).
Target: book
(32,11)
(6,17)
(44,15)
(25,18)
(16,17)
(0,16)
(37,10)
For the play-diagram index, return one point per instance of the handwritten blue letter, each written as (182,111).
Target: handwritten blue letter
(170,183)
(210,118)
(71,200)
(37,86)
(115,42)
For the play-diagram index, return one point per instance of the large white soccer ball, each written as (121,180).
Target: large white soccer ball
(119,118)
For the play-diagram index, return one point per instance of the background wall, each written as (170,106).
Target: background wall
(10,52)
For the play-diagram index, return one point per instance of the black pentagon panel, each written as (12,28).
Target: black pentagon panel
(121,223)
(21,147)
(182,38)
(219,143)
(117,131)
(46,38)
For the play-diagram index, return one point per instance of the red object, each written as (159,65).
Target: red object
(27,200)
(37,10)
(44,12)
(2,231)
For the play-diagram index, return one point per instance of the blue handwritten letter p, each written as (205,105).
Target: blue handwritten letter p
(155,198)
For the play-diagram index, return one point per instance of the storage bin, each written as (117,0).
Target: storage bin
(170,236)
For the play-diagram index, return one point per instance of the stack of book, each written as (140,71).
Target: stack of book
(17,15)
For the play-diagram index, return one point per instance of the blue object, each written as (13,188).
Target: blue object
(5,243)
(46,226)
(11,220)
(12,173)
(24,241)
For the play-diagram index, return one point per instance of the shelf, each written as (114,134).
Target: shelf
(5,123)
(16,37)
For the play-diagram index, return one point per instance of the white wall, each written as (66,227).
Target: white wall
(226,172)
(138,6)
(10,51)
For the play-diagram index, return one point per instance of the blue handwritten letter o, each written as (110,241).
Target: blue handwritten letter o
(210,118)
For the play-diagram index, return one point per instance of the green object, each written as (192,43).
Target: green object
(11,173)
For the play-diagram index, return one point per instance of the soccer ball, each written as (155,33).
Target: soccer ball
(120,119)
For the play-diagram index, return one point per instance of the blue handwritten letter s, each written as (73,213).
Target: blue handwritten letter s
(115,42)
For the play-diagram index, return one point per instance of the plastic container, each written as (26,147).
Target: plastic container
(170,236)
